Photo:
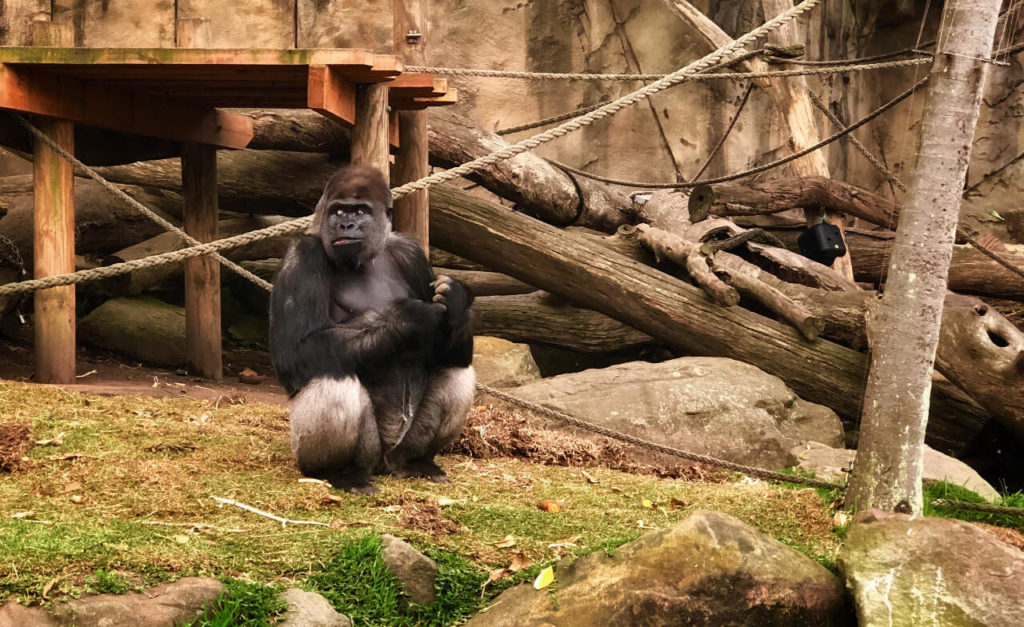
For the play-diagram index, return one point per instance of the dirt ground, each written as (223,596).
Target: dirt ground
(107,374)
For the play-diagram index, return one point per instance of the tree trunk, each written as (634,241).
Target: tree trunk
(903,331)
(648,300)
(487,283)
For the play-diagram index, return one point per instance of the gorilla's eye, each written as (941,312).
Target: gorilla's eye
(339,212)
(359,212)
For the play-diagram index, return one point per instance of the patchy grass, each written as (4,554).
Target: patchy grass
(244,603)
(124,501)
(953,492)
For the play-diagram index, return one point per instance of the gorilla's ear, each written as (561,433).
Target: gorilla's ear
(389,210)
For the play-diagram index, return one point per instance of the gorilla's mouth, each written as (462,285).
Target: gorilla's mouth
(341,241)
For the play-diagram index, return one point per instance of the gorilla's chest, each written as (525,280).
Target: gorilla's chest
(374,286)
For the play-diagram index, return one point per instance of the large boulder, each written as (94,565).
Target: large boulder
(142,328)
(165,605)
(500,363)
(905,570)
(708,405)
(709,569)
(833,464)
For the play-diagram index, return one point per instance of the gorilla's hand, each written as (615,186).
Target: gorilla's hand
(455,297)
(423,319)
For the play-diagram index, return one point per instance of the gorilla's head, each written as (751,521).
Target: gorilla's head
(353,217)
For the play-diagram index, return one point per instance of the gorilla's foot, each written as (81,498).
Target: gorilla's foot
(354,481)
(422,468)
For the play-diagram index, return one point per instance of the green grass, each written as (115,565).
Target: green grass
(244,603)
(143,471)
(953,492)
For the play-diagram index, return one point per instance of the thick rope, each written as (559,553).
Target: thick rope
(654,446)
(682,75)
(979,507)
(761,168)
(144,210)
(810,71)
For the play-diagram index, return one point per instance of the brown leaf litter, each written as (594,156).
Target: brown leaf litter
(498,431)
(15,441)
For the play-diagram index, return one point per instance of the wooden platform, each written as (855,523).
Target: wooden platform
(181,94)
(173,93)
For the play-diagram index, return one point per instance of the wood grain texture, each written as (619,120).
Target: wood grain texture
(202,274)
(370,133)
(54,253)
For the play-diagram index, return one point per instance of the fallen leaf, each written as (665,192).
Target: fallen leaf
(66,457)
(544,579)
(519,562)
(331,498)
(995,214)
(647,504)
(77,499)
(310,480)
(49,585)
(250,377)
(590,478)
(19,515)
(444,501)
(498,574)
(56,440)
(551,507)
(480,408)
(840,519)
(564,544)
(677,503)
(72,486)
(181,539)
(507,543)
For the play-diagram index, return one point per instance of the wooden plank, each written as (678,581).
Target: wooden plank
(265,24)
(202,274)
(414,104)
(370,133)
(366,64)
(124,23)
(54,253)
(108,107)
(344,24)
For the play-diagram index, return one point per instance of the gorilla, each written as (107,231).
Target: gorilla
(374,352)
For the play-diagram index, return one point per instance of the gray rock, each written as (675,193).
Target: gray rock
(709,569)
(165,605)
(143,328)
(904,570)
(500,363)
(12,614)
(708,405)
(832,464)
(416,571)
(309,609)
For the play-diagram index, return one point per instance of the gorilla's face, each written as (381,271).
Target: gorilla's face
(353,215)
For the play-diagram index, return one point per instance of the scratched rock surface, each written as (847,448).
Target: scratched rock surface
(709,569)
(904,570)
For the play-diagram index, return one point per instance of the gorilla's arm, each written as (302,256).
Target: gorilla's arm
(305,343)
(454,346)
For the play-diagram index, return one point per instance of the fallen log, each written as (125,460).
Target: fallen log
(979,350)
(172,274)
(487,283)
(539,318)
(103,224)
(670,310)
(970,271)
(777,195)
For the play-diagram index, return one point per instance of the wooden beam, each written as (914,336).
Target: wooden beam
(412,162)
(54,253)
(202,274)
(107,106)
(331,95)
(370,133)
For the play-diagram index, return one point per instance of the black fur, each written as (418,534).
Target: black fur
(353,299)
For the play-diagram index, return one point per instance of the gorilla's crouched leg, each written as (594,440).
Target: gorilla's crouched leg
(334,434)
(438,421)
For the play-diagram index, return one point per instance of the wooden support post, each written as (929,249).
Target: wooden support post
(411,212)
(54,251)
(370,133)
(202,274)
